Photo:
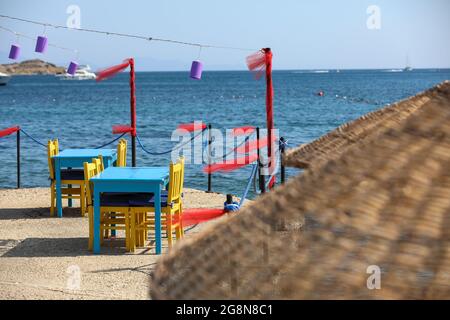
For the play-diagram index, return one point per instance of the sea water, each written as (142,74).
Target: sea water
(81,113)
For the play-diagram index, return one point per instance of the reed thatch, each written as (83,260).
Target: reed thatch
(386,204)
(357,132)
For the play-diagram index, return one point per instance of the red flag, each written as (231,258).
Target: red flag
(243,131)
(260,61)
(254,145)
(231,165)
(194,216)
(111,71)
(191,127)
(8,131)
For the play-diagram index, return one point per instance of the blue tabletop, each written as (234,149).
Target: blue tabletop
(85,153)
(133,174)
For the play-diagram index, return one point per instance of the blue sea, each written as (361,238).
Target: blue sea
(81,113)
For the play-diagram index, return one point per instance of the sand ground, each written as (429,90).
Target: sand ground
(43,257)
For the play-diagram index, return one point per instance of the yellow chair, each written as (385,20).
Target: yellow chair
(142,211)
(122,153)
(114,211)
(68,177)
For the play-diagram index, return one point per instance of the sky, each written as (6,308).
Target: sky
(319,34)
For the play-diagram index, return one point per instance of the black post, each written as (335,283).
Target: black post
(282,151)
(262,182)
(18,158)
(209,158)
(133,151)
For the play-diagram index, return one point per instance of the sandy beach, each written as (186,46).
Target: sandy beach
(40,255)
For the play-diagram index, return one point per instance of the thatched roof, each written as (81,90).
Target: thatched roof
(357,132)
(385,204)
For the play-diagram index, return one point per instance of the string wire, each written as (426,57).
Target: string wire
(127,35)
(21,35)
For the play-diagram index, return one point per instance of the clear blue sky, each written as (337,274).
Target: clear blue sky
(310,34)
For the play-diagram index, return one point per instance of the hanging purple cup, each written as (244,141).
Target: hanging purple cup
(72,68)
(14,52)
(196,70)
(41,44)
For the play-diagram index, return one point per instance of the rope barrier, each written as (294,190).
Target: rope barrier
(112,141)
(231,151)
(247,188)
(33,139)
(44,145)
(167,151)
(190,228)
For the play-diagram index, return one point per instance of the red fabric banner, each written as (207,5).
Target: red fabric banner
(195,216)
(243,131)
(121,128)
(8,131)
(253,145)
(111,71)
(191,127)
(231,165)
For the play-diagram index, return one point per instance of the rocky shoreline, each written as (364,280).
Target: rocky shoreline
(31,67)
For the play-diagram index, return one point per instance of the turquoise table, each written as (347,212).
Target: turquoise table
(127,179)
(74,158)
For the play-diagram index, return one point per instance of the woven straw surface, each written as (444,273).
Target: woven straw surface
(357,132)
(386,204)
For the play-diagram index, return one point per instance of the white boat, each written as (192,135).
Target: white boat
(4,78)
(82,73)
(408,65)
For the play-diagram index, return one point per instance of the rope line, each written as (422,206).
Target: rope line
(190,228)
(44,145)
(33,139)
(167,151)
(231,151)
(127,35)
(112,141)
(249,183)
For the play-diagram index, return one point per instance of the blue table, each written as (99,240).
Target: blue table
(74,158)
(127,179)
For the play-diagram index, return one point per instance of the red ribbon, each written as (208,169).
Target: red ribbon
(231,165)
(8,131)
(191,127)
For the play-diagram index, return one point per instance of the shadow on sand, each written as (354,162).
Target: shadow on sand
(36,213)
(63,247)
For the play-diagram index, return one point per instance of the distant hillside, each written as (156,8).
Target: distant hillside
(35,66)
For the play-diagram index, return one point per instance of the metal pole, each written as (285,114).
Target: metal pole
(262,182)
(18,158)
(209,158)
(282,151)
(133,112)
(133,151)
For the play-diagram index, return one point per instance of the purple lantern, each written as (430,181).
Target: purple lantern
(196,70)
(41,44)
(72,68)
(14,52)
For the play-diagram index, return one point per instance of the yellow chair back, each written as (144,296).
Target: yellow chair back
(52,150)
(90,170)
(176,181)
(100,167)
(122,153)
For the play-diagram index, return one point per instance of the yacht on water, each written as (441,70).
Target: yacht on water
(408,65)
(4,78)
(83,73)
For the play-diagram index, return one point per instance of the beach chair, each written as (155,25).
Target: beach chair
(122,153)
(114,209)
(142,210)
(69,177)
